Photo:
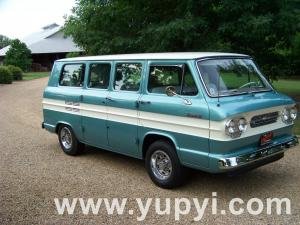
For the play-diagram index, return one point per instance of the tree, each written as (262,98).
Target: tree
(18,55)
(265,31)
(4,41)
(72,54)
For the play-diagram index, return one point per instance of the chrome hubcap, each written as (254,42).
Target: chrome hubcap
(161,165)
(66,137)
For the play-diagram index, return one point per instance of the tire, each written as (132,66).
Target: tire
(68,141)
(159,157)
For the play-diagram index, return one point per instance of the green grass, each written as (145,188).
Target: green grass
(289,87)
(35,75)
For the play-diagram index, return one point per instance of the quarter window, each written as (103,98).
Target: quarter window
(178,76)
(128,76)
(99,75)
(72,75)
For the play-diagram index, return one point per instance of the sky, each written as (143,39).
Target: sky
(19,18)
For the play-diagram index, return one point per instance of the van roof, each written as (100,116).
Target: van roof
(169,55)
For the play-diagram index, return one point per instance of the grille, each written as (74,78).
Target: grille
(264,119)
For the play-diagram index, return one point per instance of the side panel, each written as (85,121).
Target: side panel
(94,109)
(64,102)
(122,122)
(94,116)
(123,115)
(61,104)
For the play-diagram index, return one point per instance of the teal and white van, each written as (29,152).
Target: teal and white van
(210,111)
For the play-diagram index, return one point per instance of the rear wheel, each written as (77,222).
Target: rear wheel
(68,141)
(163,165)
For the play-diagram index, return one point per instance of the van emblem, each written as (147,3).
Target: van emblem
(70,104)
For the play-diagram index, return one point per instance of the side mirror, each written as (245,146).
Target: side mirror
(170,91)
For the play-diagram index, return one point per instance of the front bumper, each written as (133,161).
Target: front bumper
(262,154)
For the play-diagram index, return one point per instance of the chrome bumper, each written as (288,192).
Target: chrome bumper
(259,155)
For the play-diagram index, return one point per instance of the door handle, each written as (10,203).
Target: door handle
(109,99)
(145,102)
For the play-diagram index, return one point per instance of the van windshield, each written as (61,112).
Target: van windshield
(223,77)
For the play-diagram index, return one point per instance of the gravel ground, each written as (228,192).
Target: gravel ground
(34,171)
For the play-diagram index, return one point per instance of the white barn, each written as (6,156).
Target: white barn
(47,45)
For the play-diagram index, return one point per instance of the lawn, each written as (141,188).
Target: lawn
(289,87)
(35,75)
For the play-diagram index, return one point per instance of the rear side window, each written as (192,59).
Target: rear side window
(72,75)
(99,75)
(128,76)
(178,76)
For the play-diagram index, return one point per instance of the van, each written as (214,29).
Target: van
(213,112)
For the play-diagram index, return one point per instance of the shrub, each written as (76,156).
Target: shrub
(72,54)
(5,75)
(17,73)
(18,55)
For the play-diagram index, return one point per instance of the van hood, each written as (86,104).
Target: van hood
(233,105)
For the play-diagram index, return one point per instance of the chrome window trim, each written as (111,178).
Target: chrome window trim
(228,57)
(114,76)
(168,65)
(89,76)
(61,73)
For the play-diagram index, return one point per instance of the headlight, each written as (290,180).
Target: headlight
(289,114)
(242,125)
(293,113)
(235,127)
(285,115)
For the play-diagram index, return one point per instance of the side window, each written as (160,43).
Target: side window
(178,76)
(128,76)
(72,75)
(99,75)
(188,85)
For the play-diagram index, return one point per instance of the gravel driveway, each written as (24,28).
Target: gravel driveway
(34,171)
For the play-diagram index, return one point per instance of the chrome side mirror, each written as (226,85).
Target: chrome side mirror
(171,91)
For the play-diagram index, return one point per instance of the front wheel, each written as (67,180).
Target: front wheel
(68,141)
(163,165)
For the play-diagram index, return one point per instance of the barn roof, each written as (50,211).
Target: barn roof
(49,40)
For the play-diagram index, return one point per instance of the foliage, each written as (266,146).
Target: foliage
(16,72)
(72,54)
(265,30)
(5,75)
(128,76)
(4,41)
(18,55)
(296,53)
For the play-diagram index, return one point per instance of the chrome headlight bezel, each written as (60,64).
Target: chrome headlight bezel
(235,127)
(289,114)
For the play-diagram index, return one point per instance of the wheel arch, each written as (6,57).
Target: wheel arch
(151,137)
(59,123)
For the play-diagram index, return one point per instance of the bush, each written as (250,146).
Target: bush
(5,75)
(17,73)
(18,55)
